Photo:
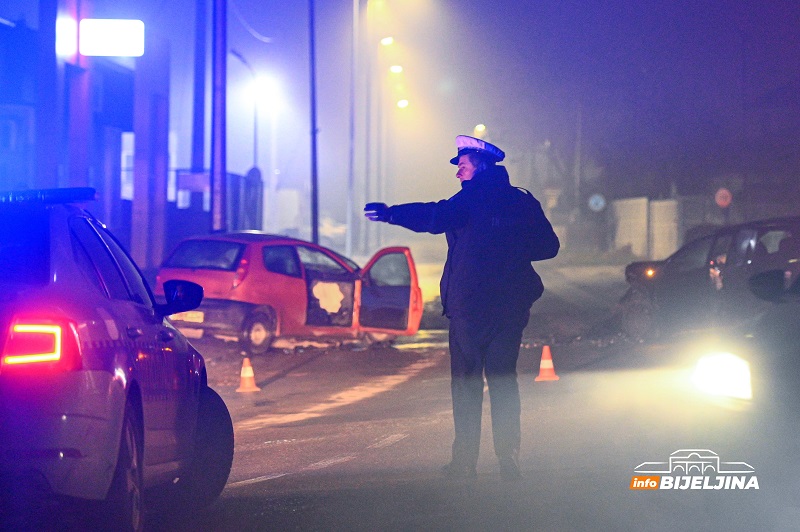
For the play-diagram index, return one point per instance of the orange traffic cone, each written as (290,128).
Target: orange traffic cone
(248,380)
(547,372)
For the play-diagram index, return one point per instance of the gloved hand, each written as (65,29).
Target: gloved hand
(377,212)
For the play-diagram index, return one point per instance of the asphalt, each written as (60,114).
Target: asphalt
(575,318)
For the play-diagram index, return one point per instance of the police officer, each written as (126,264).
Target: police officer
(494,231)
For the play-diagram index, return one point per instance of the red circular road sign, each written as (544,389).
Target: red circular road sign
(723,197)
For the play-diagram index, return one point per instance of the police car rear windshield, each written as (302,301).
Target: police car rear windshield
(206,254)
(24,244)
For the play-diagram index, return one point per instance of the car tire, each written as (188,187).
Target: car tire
(258,332)
(212,453)
(638,315)
(125,500)
(375,339)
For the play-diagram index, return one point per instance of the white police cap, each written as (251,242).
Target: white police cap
(466,144)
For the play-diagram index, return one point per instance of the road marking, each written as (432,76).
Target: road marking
(255,480)
(387,441)
(313,467)
(327,463)
(346,397)
(423,345)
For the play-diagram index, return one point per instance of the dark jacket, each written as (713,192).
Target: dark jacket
(494,231)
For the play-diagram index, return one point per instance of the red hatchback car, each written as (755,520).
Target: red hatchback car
(259,287)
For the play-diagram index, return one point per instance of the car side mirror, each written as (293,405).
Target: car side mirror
(181,296)
(768,285)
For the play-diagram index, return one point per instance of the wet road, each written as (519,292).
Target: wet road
(353,439)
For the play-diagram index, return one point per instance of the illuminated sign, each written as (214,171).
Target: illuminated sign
(111,37)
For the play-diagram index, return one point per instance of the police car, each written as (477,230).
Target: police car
(100,397)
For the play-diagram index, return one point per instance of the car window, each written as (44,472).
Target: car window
(720,249)
(317,261)
(140,293)
(390,270)
(772,247)
(281,259)
(105,265)
(84,262)
(349,262)
(789,247)
(692,256)
(744,245)
(772,239)
(206,254)
(24,244)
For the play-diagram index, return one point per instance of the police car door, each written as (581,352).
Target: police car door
(390,297)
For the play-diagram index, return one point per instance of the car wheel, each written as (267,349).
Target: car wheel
(258,333)
(375,339)
(212,454)
(637,315)
(125,499)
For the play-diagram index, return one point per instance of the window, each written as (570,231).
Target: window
(140,293)
(85,264)
(391,270)
(692,256)
(104,262)
(317,261)
(772,239)
(719,252)
(774,246)
(281,259)
(744,245)
(206,254)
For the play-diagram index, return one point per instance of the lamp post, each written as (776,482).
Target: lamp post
(386,103)
(249,67)
(378,127)
(268,90)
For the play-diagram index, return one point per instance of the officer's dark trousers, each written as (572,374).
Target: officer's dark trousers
(489,346)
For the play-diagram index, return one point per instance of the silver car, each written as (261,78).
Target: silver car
(100,397)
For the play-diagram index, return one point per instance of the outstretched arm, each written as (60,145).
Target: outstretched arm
(434,217)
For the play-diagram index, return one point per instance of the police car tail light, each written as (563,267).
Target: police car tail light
(241,272)
(41,343)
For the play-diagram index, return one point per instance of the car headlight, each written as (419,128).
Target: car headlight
(723,374)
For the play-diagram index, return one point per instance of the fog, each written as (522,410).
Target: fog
(620,98)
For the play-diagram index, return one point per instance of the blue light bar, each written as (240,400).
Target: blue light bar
(50,195)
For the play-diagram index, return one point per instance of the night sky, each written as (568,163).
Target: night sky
(672,96)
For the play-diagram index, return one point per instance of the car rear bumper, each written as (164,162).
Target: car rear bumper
(215,317)
(60,433)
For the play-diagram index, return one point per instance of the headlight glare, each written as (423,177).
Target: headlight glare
(723,374)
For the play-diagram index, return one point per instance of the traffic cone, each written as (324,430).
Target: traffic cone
(248,380)
(547,372)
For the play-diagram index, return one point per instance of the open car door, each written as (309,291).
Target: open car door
(390,297)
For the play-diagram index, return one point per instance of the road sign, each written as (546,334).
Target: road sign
(723,197)
(597,203)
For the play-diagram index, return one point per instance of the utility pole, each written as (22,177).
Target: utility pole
(199,106)
(577,166)
(349,222)
(218,125)
(313,87)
